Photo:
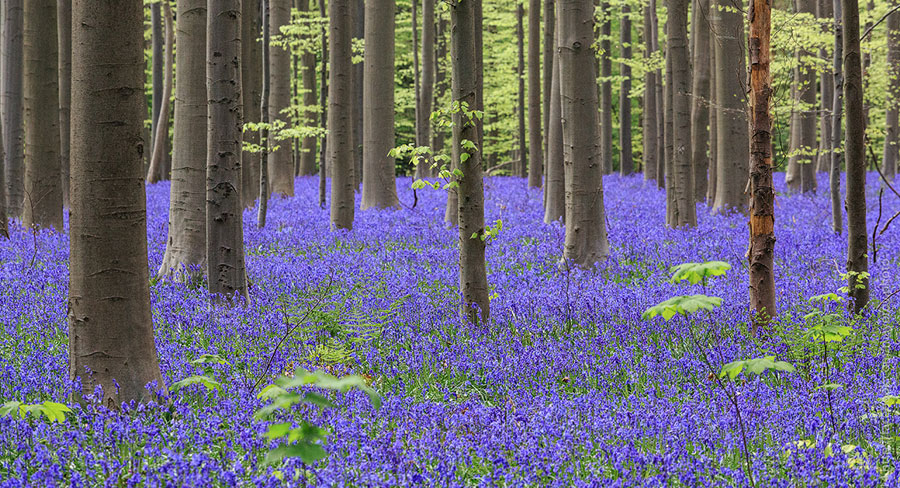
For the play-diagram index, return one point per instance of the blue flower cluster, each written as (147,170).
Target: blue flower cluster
(568,386)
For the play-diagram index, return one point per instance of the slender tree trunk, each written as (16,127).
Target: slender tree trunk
(264,118)
(586,241)
(426,91)
(356,110)
(825,10)
(760,255)
(713,111)
(549,53)
(626,159)
(680,198)
(660,105)
(667,135)
(296,117)
(251,81)
(339,100)
(185,255)
(281,167)
(323,103)
(43,182)
(854,150)
(156,48)
(13,106)
(224,211)
(555,203)
(379,187)
(110,326)
(4,223)
(535,151)
(649,123)
(437,135)
(732,127)
(892,124)
(606,124)
(522,168)
(64,23)
(700,99)
(473,285)
(807,116)
(479,68)
(157,160)
(308,61)
(834,177)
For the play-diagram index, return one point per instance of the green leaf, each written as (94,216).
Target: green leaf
(318,400)
(889,400)
(207,382)
(684,305)
(10,409)
(829,386)
(696,272)
(278,430)
(756,366)
(827,297)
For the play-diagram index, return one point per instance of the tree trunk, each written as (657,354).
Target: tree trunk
(649,123)
(606,124)
(224,211)
(626,160)
(43,181)
(185,255)
(824,11)
(323,101)
(892,124)
(473,285)
(713,111)
(110,326)
(64,24)
(157,160)
(264,133)
(308,61)
(356,109)
(13,106)
(586,241)
(281,167)
(667,134)
(555,204)
(426,90)
(760,255)
(700,99)
(732,129)
(549,53)
(156,59)
(807,96)
(854,150)
(4,222)
(660,105)
(251,81)
(837,111)
(379,188)
(680,195)
(339,100)
(437,135)
(522,168)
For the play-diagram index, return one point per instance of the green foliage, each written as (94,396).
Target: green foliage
(683,305)
(698,272)
(756,366)
(52,411)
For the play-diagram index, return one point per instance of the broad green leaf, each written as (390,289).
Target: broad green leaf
(684,305)
(696,272)
(278,430)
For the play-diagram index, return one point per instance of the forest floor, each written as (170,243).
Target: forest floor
(568,385)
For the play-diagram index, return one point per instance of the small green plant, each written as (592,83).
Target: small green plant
(826,328)
(698,272)
(52,411)
(205,361)
(304,440)
(756,366)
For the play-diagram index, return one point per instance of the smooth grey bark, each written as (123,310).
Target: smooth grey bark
(356,109)
(43,181)
(263,210)
(64,29)
(555,201)
(156,67)
(224,210)
(713,117)
(892,124)
(379,188)
(806,86)
(4,221)
(340,151)
(185,255)
(586,240)
(251,83)
(440,81)
(606,118)
(156,172)
(110,327)
(426,90)
(549,53)
(13,105)
(522,167)
(732,126)
(825,10)
(660,103)
(837,112)
(854,152)
(649,124)
(700,99)
(310,115)
(473,285)
(626,159)
(680,185)
(280,162)
(535,149)
(667,175)
(323,101)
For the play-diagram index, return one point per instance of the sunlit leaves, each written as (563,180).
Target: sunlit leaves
(755,366)
(698,272)
(683,305)
(52,411)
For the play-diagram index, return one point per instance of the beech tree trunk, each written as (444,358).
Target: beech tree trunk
(13,105)
(700,99)
(606,116)
(356,109)
(426,90)
(4,223)
(680,185)
(732,131)
(323,101)
(892,124)
(825,10)
(340,98)
(549,53)
(156,67)
(185,255)
(555,202)
(473,285)
(667,174)
(660,104)
(586,241)
(158,158)
(440,85)
(522,168)
(281,165)
(308,148)
(264,133)
(379,188)
(761,253)
(110,326)
(43,180)
(649,123)
(224,211)
(837,111)
(807,115)
(64,26)
(626,159)
(251,81)
(854,150)
(713,111)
